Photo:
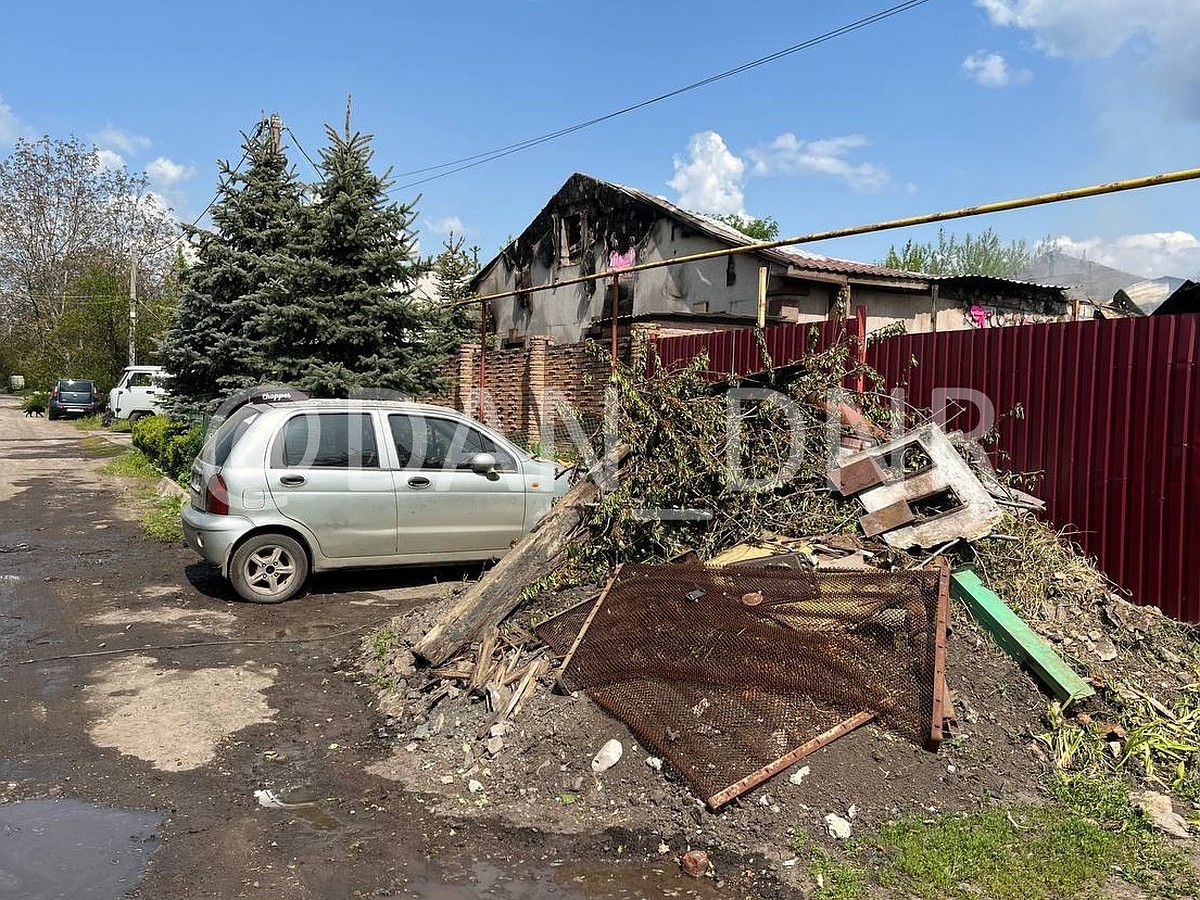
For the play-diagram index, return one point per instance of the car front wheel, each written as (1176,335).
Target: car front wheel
(269,568)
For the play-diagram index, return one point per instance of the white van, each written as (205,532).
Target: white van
(139,393)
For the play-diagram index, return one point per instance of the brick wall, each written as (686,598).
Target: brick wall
(525,388)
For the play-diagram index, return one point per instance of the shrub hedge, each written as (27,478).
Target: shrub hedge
(168,444)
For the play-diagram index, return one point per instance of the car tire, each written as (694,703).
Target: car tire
(269,568)
(134,416)
(51,416)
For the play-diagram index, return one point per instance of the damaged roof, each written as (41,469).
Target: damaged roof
(580,189)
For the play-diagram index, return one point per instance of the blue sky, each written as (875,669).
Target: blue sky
(952,103)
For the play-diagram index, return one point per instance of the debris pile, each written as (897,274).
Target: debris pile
(753,587)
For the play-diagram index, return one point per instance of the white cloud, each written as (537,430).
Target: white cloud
(445,226)
(1092,29)
(110,137)
(710,180)
(166,173)
(11,127)
(1150,255)
(992,70)
(789,155)
(109,159)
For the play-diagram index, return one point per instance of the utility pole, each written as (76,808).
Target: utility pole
(132,308)
(275,125)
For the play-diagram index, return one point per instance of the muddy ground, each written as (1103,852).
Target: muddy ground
(154,756)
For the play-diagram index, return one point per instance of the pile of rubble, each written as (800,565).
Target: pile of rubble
(867,605)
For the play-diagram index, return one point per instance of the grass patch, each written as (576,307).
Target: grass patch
(1088,834)
(89,423)
(382,642)
(1030,853)
(131,464)
(121,426)
(158,513)
(160,518)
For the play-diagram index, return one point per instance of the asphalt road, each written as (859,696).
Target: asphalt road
(153,757)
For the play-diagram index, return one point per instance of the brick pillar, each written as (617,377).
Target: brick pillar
(464,383)
(535,387)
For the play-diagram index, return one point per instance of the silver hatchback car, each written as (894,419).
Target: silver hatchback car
(284,489)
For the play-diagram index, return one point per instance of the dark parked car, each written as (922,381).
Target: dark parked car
(74,397)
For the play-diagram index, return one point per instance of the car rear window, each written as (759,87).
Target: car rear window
(66,386)
(228,435)
(330,441)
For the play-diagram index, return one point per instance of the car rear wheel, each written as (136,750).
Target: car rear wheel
(269,568)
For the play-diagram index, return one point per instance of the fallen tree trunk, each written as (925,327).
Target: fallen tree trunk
(498,593)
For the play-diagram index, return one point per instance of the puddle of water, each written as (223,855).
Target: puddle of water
(568,881)
(300,803)
(67,848)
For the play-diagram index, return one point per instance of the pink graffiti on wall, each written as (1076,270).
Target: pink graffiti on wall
(622,260)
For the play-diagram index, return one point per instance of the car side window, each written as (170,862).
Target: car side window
(426,442)
(139,380)
(329,441)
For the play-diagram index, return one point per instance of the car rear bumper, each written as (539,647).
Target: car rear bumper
(213,536)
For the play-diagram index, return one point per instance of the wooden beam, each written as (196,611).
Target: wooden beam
(490,600)
(1017,639)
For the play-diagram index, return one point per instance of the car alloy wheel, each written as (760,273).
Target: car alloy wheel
(269,568)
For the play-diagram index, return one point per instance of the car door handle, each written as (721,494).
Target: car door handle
(291,480)
(418,481)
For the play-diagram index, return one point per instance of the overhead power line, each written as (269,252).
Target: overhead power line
(469,162)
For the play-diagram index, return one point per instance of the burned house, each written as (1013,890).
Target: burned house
(592,226)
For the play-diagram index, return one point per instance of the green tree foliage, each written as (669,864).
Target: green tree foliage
(452,324)
(211,349)
(982,254)
(340,314)
(69,227)
(760,229)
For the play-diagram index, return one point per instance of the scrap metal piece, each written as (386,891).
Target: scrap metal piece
(923,469)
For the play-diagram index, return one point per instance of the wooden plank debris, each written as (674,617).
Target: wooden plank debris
(1017,639)
(489,601)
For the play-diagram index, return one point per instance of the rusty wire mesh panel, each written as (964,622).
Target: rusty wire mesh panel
(721,689)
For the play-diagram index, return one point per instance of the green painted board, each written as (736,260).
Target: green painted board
(1017,639)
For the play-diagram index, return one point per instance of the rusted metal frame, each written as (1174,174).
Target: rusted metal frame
(939,655)
(754,779)
(560,677)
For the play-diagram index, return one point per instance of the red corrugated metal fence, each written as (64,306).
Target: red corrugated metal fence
(1110,414)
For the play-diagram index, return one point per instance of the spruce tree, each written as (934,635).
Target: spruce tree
(210,349)
(453,323)
(344,319)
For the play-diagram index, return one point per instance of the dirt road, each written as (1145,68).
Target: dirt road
(153,751)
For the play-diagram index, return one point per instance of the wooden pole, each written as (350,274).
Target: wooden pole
(616,307)
(762,295)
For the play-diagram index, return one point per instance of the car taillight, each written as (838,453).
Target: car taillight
(216,496)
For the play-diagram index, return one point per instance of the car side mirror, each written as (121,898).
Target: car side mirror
(483,464)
